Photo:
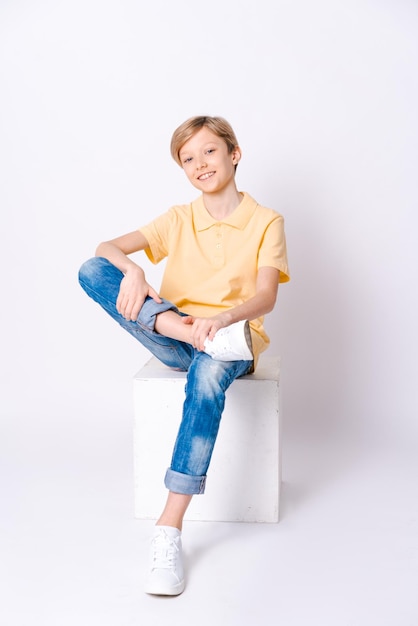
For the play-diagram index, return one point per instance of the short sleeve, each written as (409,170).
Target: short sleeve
(272,251)
(159,233)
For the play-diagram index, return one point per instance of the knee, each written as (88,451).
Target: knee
(91,270)
(208,377)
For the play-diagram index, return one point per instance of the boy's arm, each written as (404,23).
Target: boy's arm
(133,287)
(261,303)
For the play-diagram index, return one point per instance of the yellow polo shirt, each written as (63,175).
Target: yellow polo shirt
(212,265)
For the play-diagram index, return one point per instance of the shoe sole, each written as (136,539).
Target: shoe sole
(172,591)
(247,335)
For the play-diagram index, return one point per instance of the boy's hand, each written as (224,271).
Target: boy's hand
(203,328)
(132,293)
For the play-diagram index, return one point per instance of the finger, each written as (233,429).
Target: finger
(133,315)
(212,332)
(128,309)
(137,306)
(121,305)
(201,340)
(127,312)
(202,344)
(154,295)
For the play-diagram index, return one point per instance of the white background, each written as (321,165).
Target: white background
(323,97)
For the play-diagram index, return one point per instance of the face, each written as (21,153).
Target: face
(207,163)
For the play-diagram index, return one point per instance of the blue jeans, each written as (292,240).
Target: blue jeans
(206,384)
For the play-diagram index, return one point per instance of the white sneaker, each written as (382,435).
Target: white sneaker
(232,343)
(166,577)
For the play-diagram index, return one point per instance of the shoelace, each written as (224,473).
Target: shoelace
(165,550)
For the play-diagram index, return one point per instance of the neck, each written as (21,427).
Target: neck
(222,204)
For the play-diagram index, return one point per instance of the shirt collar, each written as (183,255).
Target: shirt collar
(238,218)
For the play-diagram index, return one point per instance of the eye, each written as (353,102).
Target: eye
(187,160)
(210,150)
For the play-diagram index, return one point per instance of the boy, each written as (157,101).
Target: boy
(225,258)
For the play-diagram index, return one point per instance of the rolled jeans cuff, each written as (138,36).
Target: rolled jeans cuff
(150,309)
(184,483)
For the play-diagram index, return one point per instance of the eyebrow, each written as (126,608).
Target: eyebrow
(184,152)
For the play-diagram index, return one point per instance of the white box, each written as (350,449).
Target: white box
(243,483)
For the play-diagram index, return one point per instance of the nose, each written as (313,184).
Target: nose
(201,164)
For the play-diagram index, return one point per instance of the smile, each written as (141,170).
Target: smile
(205,176)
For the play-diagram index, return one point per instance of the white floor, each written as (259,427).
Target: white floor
(345,552)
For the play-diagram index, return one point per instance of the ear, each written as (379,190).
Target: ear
(236,155)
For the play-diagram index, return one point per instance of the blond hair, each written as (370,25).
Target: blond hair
(218,125)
